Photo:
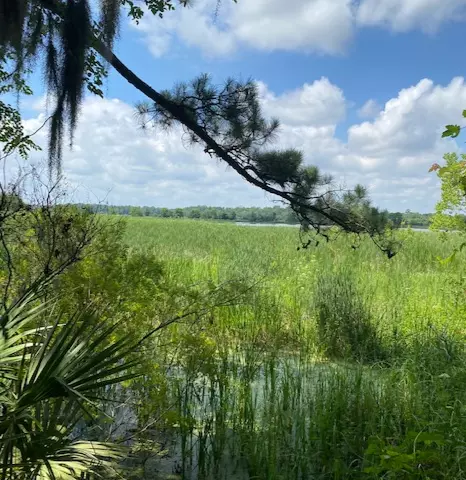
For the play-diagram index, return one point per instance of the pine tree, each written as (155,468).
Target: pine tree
(74,49)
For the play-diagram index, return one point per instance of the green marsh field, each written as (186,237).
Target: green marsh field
(330,362)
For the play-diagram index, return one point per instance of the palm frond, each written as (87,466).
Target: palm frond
(52,368)
(78,459)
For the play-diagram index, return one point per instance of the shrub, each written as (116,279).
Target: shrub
(51,377)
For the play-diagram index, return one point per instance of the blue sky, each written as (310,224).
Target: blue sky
(362,87)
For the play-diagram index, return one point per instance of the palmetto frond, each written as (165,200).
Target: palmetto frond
(51,373)
(78,459)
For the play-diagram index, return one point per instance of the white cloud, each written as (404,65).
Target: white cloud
(403,15)
(308,25)
(317,104)
(322,26)
(404,140)
(410,125)
(112,158)
(196,26)
(391,154)
(370,109)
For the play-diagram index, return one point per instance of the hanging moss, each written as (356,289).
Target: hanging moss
(59,35)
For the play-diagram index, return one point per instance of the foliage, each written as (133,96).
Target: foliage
(453,131)
(250,391)
(53,370)
(39,237)
(12,135)
(453,176)
(418,456)
(450,210)
(231,114)
(134,303)
(57,367)
(275,214)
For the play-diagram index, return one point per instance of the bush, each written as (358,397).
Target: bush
(51,378)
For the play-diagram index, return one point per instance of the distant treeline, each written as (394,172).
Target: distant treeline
(241,214)
(237,214)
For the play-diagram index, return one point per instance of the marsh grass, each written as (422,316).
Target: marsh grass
(346,327)
(339,364)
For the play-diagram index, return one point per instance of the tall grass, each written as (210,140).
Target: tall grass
(338,364)
(346,327)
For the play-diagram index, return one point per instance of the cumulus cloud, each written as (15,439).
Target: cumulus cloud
(114,159)
(307,25)
(410,125)
(391,153)
(322,26)
(400,144)
(317,104)
(370,109)
(404,15)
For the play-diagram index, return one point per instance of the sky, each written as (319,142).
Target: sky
(362,87)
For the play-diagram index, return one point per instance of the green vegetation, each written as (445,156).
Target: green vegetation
(151,348)
(227,352)
(45,393)
(244,214)
(334,362)
(450,209)
(239,214)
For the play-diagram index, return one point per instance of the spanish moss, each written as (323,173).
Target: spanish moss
(12,17)
(59,34)
(110,20)
(75,41)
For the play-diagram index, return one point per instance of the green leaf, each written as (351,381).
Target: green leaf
(464,113)
(430,437)
(451,131)
(373,469)
(50,377)
(463,185)
(447,260)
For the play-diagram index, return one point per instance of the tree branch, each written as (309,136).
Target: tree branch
(301,206)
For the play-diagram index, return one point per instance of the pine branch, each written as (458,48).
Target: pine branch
(305,210)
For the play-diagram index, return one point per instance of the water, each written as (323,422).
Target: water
(247,224)
(211,447)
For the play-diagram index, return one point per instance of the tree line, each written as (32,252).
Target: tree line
(273,215)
